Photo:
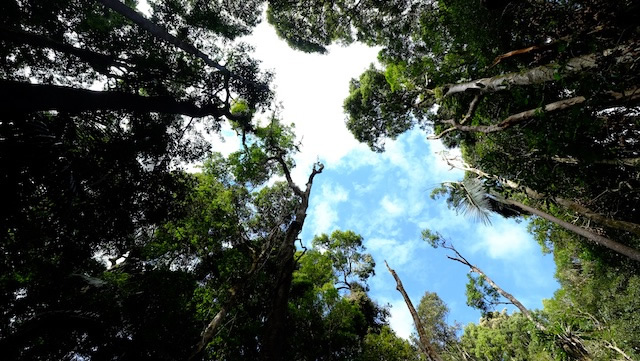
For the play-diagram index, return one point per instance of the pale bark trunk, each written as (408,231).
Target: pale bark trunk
(495,286)
(631,162)
(538,75)
(519,117)
(425,345)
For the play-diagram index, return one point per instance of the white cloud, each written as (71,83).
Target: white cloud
(504,239)
(401,321)
(324,213)
(397,253)
(393,207)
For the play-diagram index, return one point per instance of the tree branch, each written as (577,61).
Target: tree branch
(100,62)
(503,293)
(163,34)
(518,118)
(20,97)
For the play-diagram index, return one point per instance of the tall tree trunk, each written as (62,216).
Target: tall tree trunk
(537,75)
(569,204)
(276,332)
(425,344)
(593,237)
(275,335)
(163,34)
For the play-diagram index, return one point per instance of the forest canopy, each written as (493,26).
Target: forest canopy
(111,249)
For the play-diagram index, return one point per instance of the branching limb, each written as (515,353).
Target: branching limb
(459,258)
(163,34)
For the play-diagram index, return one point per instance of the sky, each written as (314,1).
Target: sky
(385,196)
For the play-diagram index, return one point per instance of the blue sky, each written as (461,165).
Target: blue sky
(385,197)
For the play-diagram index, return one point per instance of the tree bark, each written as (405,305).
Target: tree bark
(425,344)
(595,238)
(19,97)
(275,336)
(537,75)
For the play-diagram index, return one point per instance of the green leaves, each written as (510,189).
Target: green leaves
(468,197)
(344,249)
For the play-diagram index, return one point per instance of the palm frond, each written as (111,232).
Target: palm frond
(471,199)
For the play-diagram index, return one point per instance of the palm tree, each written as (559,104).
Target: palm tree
(473,199)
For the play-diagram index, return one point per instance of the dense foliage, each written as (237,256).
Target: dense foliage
(110,250)
(542,98)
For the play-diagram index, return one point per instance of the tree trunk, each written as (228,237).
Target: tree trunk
(572,205)
(570,343)
(274,338)
(425,345)
(538,75)
(19,97)
(631,162)
(517,118)
(275,335)
(595,238)
(276,332)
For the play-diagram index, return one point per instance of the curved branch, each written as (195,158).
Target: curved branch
(518,118)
